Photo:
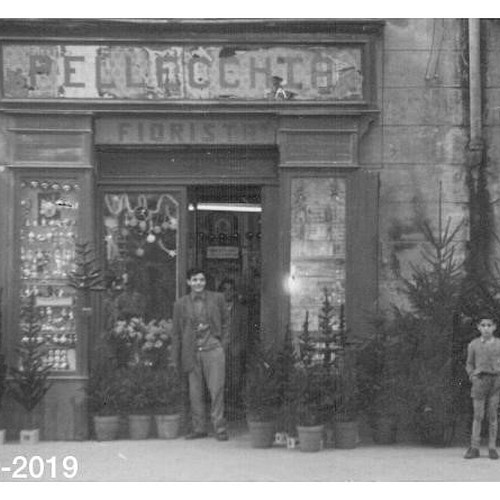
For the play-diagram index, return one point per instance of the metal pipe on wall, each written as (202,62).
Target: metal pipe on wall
(476,124)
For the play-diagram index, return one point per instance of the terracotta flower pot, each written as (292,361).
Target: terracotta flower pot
(346,435)
(168,426)
(139,426)
(262,433)
(385,430)
(106,427)
(310,438)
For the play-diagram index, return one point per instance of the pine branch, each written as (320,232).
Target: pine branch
(30,377)
(87,276)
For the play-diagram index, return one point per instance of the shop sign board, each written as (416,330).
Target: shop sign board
(219,252)
(182,72)
(184,131)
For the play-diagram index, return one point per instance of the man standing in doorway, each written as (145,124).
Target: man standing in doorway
(200,331)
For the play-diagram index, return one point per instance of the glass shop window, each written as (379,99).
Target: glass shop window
(318,251)
(49,226)
(141,235)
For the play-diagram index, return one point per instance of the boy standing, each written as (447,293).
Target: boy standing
(200,333)
(483,368)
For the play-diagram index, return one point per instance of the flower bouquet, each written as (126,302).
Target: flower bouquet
(156,343)
(125,340)
(135,342)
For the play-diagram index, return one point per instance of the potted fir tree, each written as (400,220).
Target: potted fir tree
(263,398)
(346,413)
(166,401)
(104,391)
(29,381)
(136,382)
(315,388)
(434,292)
(314,382)
(377,365)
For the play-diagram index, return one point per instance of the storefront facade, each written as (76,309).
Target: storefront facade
(231,145)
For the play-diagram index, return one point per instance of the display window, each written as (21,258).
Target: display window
(317,250)
(48,231)
(141,233)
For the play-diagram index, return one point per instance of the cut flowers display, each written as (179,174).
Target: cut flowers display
(134,341)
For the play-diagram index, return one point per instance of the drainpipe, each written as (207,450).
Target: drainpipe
(476,123)
(479,206)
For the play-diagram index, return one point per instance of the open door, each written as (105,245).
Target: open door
(225,241)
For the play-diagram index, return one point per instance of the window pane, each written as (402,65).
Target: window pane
(49,211)
(318,248)
(141,233)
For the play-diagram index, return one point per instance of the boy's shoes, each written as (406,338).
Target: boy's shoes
(493,454)
(196,435)
(473,453)
(222,436)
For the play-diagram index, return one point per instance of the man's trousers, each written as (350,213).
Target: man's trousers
(209,368)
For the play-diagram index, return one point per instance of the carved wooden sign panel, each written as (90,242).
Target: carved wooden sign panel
(160,72)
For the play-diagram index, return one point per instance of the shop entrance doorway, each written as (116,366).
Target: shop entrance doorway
(224,235)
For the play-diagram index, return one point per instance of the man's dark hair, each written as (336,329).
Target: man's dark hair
(194,271)
(227,281)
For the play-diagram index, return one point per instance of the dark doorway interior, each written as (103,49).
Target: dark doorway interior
(224,239)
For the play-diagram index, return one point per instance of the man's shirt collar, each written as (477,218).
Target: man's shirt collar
(201,295)
(486,341)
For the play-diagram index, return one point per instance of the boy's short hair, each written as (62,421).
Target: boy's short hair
(486,314)
(194,271)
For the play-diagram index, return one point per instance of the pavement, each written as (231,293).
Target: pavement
(208,460)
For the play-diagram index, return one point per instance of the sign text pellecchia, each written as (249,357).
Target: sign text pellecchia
(54,71)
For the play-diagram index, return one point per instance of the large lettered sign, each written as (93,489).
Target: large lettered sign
(302,72)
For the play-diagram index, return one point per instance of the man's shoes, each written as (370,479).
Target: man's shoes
(222,436)
(493,454)
(472,453)
(196,435)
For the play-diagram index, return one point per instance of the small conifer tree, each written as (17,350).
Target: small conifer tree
(434,292)
(30,377)
(86,276)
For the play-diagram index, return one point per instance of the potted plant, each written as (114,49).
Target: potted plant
(346,413)
(29,381)
(104,391)
(314,384)
(378,381)
(166,400)
(315,388)
(136,385)
(434,292)
(263,398)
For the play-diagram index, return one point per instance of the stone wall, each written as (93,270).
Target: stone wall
(491,115)
(419,142)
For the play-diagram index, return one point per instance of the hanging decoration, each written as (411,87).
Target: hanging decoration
(148,226)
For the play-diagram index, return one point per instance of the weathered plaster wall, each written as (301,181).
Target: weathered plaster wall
(421,138)
(491,130)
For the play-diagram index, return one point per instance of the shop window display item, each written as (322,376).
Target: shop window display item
(141,234)
(48,230)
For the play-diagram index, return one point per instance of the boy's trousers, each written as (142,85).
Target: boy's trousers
(485,391)
(209,368)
